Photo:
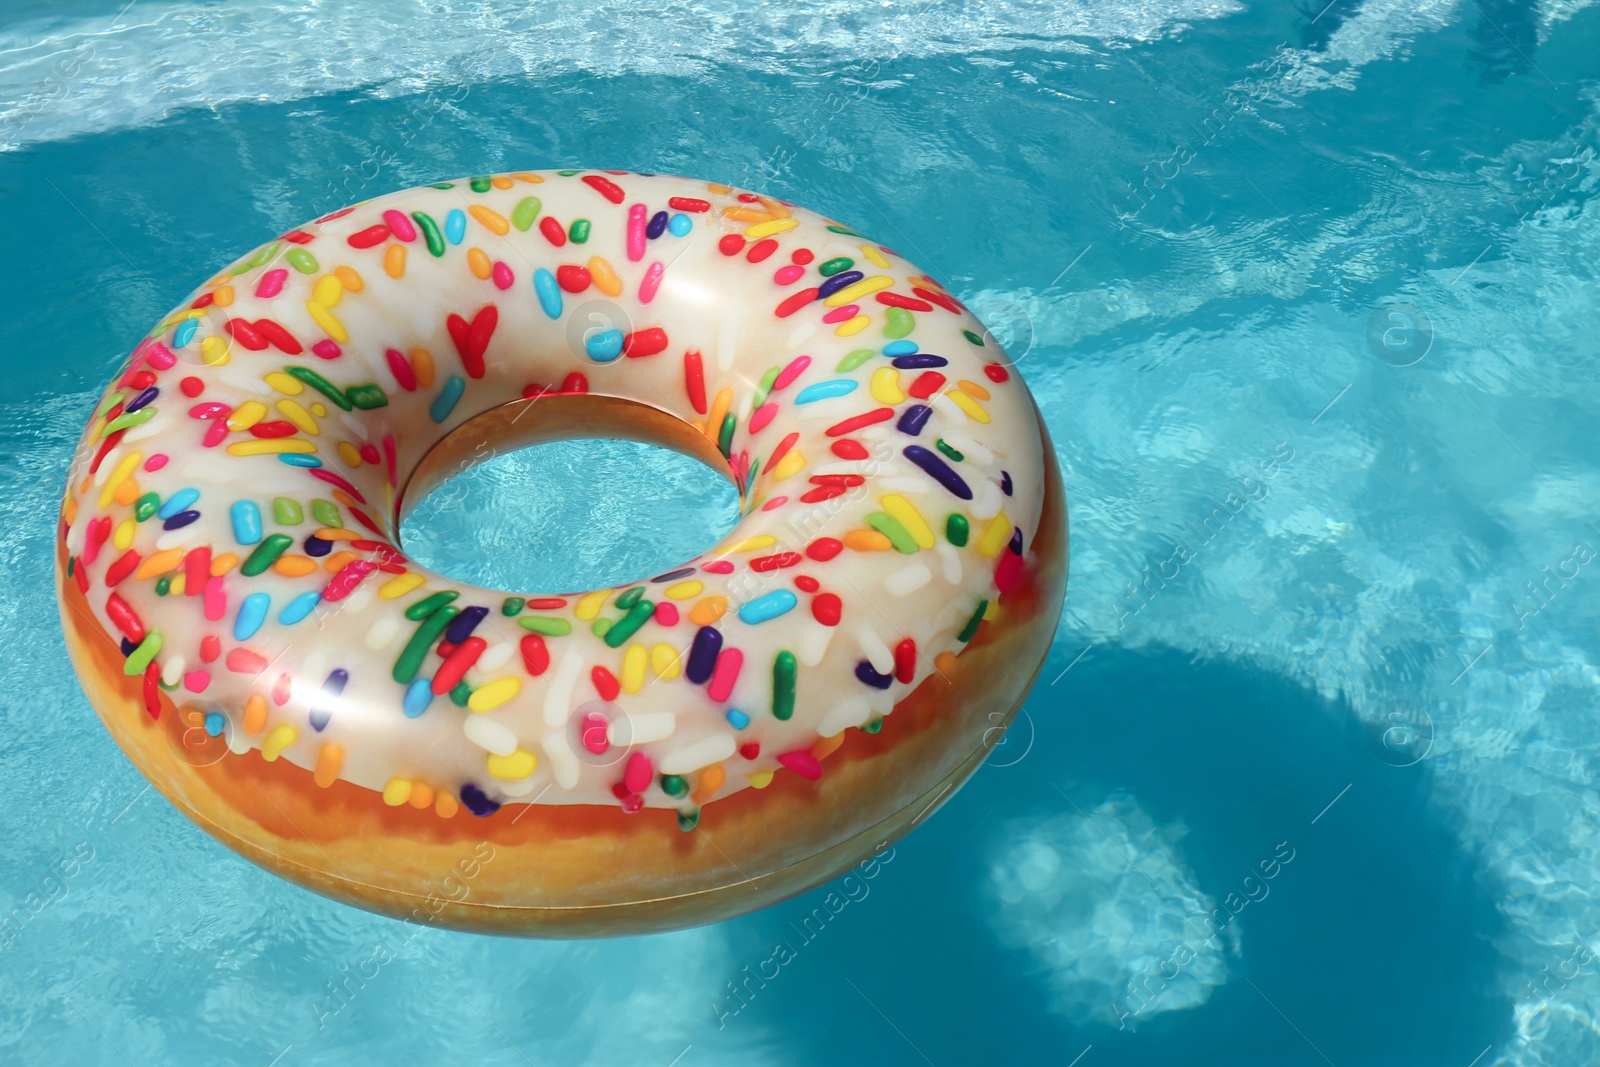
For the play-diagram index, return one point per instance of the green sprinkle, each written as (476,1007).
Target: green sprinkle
(129,419)
(899,322)
(956,530)
(600,627)
(512,605)
(630,598)
(327,513)
(725,438)
(321,385)
(875,726)
(855,359)
(266,554)
(263,254)
(764,388)
(109,402)
(890,527)
(368,396)
(783,672)
(146,506)
(480,185)
(974,338)
(525,212)
(579,233)
(428,606)
(847,231)
(629,624)
(688,820)
(546,625)
(673,785)
(568,173)
(970,630)
(301,260)
(287,512)
(416,650)
(460,694)
(834,266)
(947,450)
(141,657)
(72,565)
(442,185)
(430,231)
(163,586)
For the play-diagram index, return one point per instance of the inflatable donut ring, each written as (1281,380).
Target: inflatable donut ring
(673,751)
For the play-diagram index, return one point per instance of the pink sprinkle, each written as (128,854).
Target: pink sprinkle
(724,674)
(327,348)
(211,409)
(632,803)
(594,732)
(216,598)
(271,283)
(849,311)
(345,582)
(244,661)
(636,777)
(399,225)
(667,614)
(401,369)
(502,276)
(369,452)
(803,763)
(156,462)
(788,275)
(196,681)
(333,479)
(763,415)
(652,281)
(636,215)
(775,503)
(160,356)
(718,566)
(388,455)
(215,433)
(796,367)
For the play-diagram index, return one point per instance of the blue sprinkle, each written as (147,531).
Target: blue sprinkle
(838,281)
(763,609)
(299,608)
(656,226)
(680,225)
(296,459)
(605,346)
(899,348)
(215,723)
(252,613)
(455,226)
(185,332)
(246,522)
(180,520)
(737,719)
(141,400)
(826,390)
(544,284)
(419,694)
(922,362)
(178,502)
(448,397)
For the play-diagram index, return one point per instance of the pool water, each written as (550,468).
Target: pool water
(1309,295)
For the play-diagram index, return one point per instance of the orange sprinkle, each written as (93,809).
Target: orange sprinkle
(127,492)
(708,610)
(499,183)
(827,746)
(160,563)
(973,389)
(222,564)
(394,261)
(478,260)
(493,220)
(421,795)
(350,279)
(866,541)
(334,533)
(330,758)
(945,662)
(709,782)
(422,366)
(336,562)
(294,566)
(446,805)
(255,715)
(223,297)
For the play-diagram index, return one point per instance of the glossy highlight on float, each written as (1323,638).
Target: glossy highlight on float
(673,751)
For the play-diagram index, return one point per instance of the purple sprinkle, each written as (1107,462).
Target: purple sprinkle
(703,654)
(180,520)
(1016,541)
(920,361)
(320,717)
(939,471)
(477,802)
(914,419)
(837,282)
(672,576)
(141,400)
(656,226)
(316,546)
(128,647)
(1005,482)
(871,677)
(462,625)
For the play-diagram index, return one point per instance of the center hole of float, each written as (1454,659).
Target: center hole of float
(569,516)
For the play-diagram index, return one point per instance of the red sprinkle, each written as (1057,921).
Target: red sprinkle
(277,428)
(535,655)
(606,188)
(593,732)
(802,256)
(730,244)
(823,492)
(123,567)
(905,660)
(750,749)
(606,684)
(718,566)
(856,422)
(400,367)
(795,301)
(694,379)
(454,668)
(644,342)
(210,648)
(938,298)
(826,608)
(152,690)
(824,548)
(192,386)
(553,231)
(995,372)
(350,575)
(546,603)
(806,584)
(761,250)
(895,300)
(572,278)
(245,334)
(688,203)
(122,616)
(575,383)
(196,570)
(372,235)
(781,451)
(927,383)
(638,773)
(278,337)
(774,562)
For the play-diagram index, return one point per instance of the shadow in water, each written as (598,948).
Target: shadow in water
(1504,38)
(1374,946)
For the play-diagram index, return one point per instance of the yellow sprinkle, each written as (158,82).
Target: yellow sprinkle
(222,564)
(761,779)
(708,610)
(967,404)
(685,590)
(791,464)
(995,535)
(399,585)
(605,279)
(394,261)
(223,297)
(422,366)
(298,415)
(901,510)
(767,229)
(255,714)
(281,737)
(294,566)
(285,384)
(874,257)
(118,476)
(247,415)
(478,260)
(328,291)
(852,326)
(719,410)
(633,665)
(494,694)
(127,492)
(270,447)
(751,544)
(326,319)
(865,287)
(718,188)
(176,585)
(665,662)
(520,764)
(396,792)
(494,221)
(886,386)
(500,183)
(349,279)
(319,409)
(446,805)
(123,537)
(214,351)
(588,605)
(330,760)
(350,453)
(973,389)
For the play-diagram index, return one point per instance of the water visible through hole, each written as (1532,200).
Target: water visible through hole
(569,516)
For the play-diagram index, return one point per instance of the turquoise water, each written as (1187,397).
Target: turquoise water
(1309,297)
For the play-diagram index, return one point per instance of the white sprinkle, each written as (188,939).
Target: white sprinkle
(563,764)
(875,650)
(904,485)
(907,579)
(969,448)
(728,336)
(558,698)
(702,753)
(814,640)
(851,711)
(949,562)
(380,633)
(181,536)
(986,498)
(358,600)
(172,670)
(495,656)
(486,733)
(641,728)
(521,787)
